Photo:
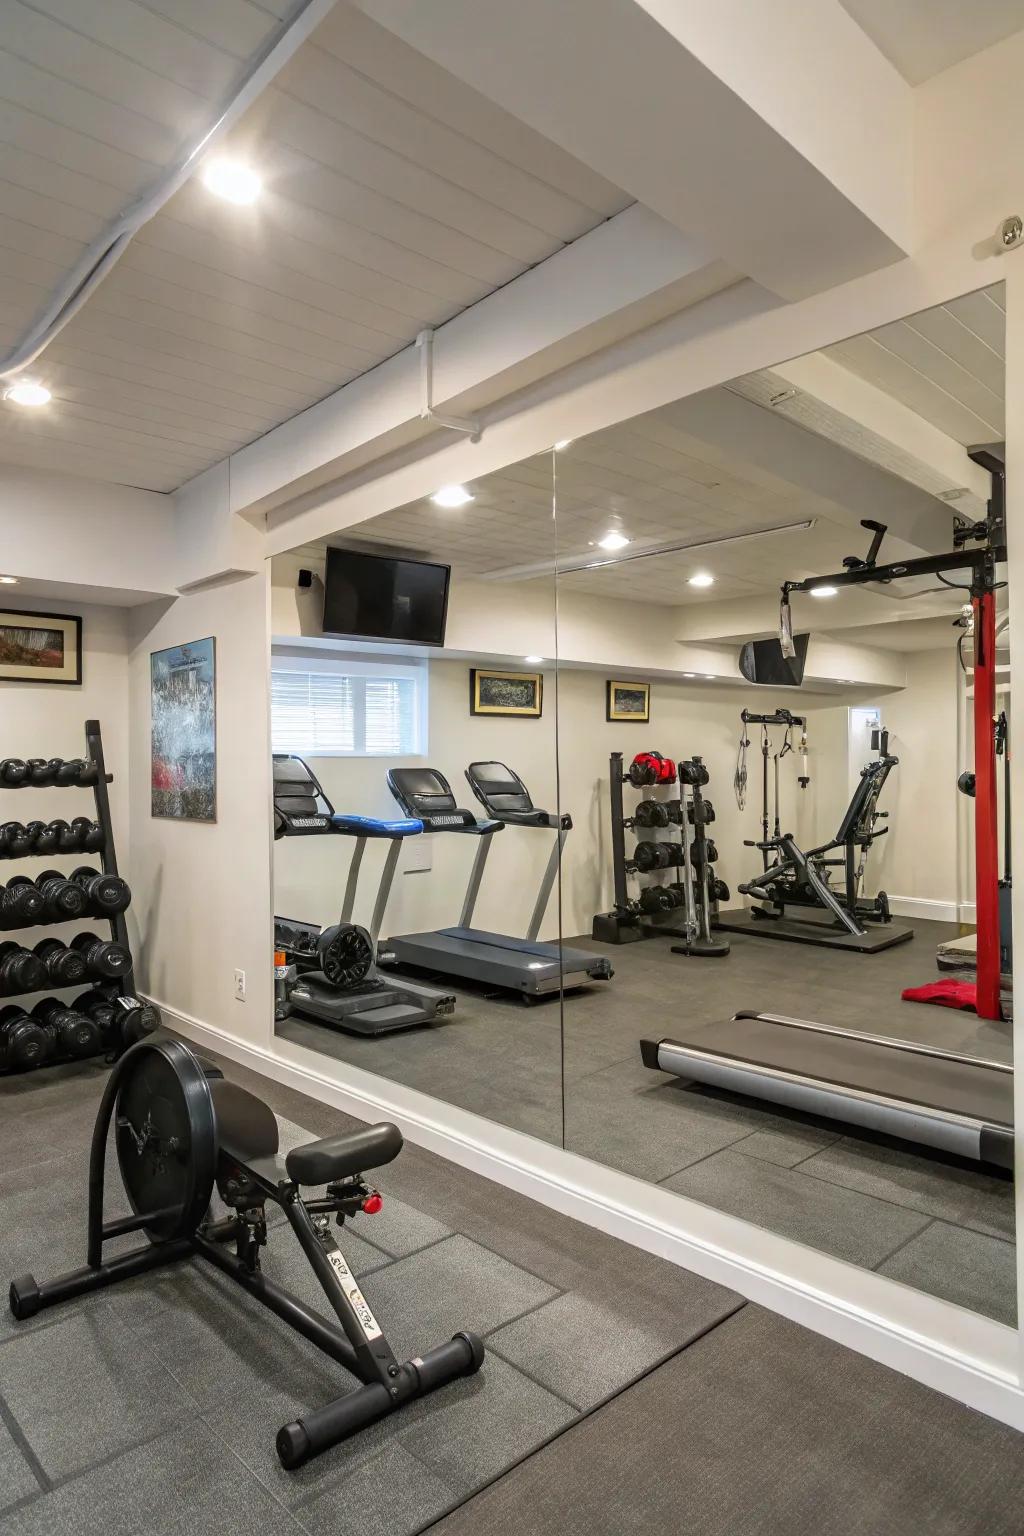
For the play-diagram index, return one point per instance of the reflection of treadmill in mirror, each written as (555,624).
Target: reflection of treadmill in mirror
(495,959)
(338,981)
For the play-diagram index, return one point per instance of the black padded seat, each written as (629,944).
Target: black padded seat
(503,795)
(246,1126)
(339,1157)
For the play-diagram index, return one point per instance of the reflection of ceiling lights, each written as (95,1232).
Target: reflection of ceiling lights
(231,180)
(27,392)
(613,540)
(534,661)
(451,496)
(9,581)
(689,674)
(709,677)
(564,443)
(702,579)
(824,591)
(563,564)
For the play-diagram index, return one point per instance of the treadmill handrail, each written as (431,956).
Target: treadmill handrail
(912,1046)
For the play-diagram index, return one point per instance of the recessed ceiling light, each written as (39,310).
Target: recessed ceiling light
(613,540)
(689,674)
(563,443)
(451,496)
(230,179)
(534,660)
(825,591)
(27,392)
(9,581)
(709,677)
(702,579)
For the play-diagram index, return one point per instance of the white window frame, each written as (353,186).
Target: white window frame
(351,666)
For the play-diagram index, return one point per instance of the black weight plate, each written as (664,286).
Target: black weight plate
(166,1137)
(345,954)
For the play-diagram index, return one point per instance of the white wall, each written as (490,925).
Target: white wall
(202,892)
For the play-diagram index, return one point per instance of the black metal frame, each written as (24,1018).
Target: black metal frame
(359,1344)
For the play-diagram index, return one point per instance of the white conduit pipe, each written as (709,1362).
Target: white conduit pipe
(108,248)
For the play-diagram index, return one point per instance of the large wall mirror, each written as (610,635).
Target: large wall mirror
(802,855)
(413,699)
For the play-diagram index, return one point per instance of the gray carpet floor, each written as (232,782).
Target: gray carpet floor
(152,1406)
(939,1225)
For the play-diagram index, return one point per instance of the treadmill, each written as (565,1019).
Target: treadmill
(525,966)
(935,1098)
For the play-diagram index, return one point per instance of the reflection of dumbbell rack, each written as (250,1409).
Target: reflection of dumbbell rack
(130,1017)
(658,908)
(703,888)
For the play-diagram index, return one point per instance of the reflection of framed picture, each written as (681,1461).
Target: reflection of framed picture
(628,701)
(513,694)
(40,647)
(183,753)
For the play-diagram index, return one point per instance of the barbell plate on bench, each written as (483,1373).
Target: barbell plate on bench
(166,1137)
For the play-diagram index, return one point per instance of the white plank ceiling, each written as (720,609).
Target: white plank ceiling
(395,196)
(946,364)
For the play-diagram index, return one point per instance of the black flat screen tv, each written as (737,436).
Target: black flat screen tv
(373,597)
(762,662)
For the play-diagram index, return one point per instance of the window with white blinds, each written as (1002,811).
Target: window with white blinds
(355,709)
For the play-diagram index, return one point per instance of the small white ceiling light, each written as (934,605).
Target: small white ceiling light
(230,179)
(824,591)
(709,677)
(702,579)
(27,392)
(689,674)
(9,581)
(451,496)
(613,540)
(534,661)
(564,443)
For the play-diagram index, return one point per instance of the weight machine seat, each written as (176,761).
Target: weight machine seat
(340,1157)
(375,826)
(856,823)
(246,1126)
(426,795)
(504,796)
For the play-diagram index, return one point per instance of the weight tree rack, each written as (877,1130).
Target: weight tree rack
(119,989)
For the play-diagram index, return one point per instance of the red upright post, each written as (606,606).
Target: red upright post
(986,831)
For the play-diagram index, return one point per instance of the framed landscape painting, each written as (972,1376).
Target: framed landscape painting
(515,695)
(628,702)
(183,754)
(40,647)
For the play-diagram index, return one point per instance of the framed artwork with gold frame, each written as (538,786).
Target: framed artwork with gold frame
(512,695)
(628,703)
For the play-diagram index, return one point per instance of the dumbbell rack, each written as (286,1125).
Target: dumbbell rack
(626,924)
(122,986)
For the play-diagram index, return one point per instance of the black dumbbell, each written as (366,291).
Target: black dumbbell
(88,836)
(102,956)
(24,1043)
(675,812)
(15,840)
(651,813)
(44,836)
(74,1034)
(101,1008)
(121,1020)
(43,771)
(677,892)
(717,889)
(650,856)
(703,851)
(20,969)
(107,894)
(63,900)
(693,771)
(700,813)
(70,771)
(63,967)
(20,904)
(14,772)
(655,898)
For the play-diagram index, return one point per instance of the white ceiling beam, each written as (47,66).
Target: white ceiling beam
(623,276)
(777,135)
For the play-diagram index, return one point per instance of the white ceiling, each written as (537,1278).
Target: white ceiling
(923,37)
(946,364)
(395,197)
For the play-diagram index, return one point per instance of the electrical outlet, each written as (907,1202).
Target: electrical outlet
(240,986)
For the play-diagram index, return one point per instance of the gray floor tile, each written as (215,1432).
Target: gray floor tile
(585,1350)
(17,1480)
(850,1225)
(78,1393)
(969,1268)
(965,1196)
(787,1148)
(499,1416)
(424,1299)
(389,1490)
(185,1483)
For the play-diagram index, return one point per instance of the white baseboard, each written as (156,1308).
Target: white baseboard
(956,1352)
(926,907)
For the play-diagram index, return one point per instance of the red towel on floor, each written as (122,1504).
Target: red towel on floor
(948,994)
